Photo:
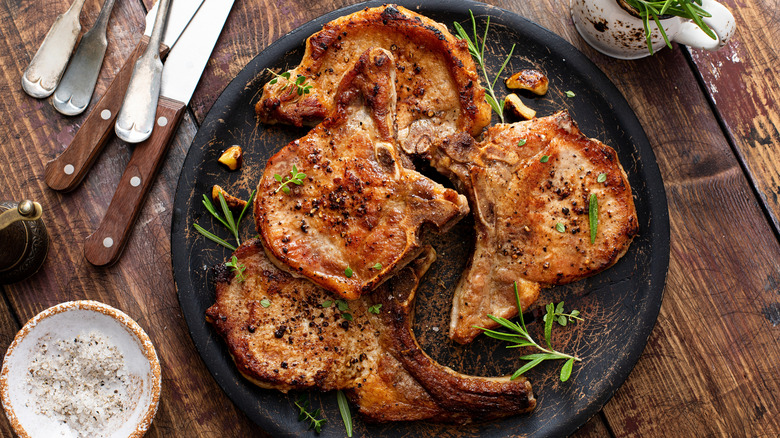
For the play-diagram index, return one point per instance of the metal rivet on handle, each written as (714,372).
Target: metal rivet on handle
(135,181)
(162,121)
(108,242)
(105,114)
(69,169)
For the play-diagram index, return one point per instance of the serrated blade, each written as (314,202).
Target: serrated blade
(180,14)
(188,58)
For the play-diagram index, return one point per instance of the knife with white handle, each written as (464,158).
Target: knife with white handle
(180,77)
(44,72)
(65,172)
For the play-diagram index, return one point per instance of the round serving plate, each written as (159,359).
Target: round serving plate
(620,305)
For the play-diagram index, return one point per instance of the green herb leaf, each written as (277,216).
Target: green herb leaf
(526,367)
(342,305)
(228,221)
(348,272)
(295,177)
(560,227)
(327,303)
(304,414)
(237,267)
(301,85)
(545,158)
(265,302)
(213,237)
(375,308)
(377,266)
(347,316)
(593,216)
(566,370)
(346,415)
(570,93)
(521,142)
(602,177)
(562,321)
(548,323)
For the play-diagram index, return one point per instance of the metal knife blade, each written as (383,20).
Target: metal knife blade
(180,15)
(181,75)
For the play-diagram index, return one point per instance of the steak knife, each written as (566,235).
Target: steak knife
(65,172)
(180,77)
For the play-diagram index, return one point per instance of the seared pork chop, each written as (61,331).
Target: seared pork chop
(438,85)
(355,219)
(285,333)
(529,185)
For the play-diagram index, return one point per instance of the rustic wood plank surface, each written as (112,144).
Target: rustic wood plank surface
(711,364)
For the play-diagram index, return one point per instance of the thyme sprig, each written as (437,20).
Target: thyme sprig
(226,218)
(295,178)
(652,10)
(479,56)
(237,267)
(560,316)
(303,406)
(301,85)
(521,338)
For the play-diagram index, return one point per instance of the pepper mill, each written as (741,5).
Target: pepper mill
(24,241)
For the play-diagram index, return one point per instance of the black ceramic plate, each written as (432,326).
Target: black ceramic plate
(620,305)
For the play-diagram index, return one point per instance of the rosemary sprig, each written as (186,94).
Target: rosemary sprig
(295,178)
(237,267)
(479,55)
(521,338)
(560,316)
(228,220)
(653,9)
(593,216)
(301,85)
(314,423)
(346,415)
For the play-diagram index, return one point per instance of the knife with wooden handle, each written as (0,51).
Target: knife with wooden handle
(66,172)
(180,77)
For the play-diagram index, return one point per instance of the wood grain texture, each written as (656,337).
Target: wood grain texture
(710,368)
(743,80)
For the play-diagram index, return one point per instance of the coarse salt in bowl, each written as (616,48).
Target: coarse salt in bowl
(80,369)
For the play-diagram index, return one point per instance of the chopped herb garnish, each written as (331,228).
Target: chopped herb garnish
(545,158)
(301,85)
(570,93)
(375,309)
(561,317)
(314,423)
(602,177)
(520,337)
(593,216)
(560,227)
(342,305)
(237,267)
(521,142)
(348,272)
(327,303)
(295,178)
(346,415)
(377,266)
(479,56)
(228,220)
(265,302)
(347,316)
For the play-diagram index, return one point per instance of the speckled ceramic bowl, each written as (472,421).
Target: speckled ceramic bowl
(67,321)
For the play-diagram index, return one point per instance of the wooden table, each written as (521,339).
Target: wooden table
(712,364)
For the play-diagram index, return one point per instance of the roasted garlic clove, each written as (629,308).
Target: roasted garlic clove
(529,79)
(232,201)
(519,108)
(232,157)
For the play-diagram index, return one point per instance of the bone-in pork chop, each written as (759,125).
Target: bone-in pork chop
(288,334)
(530,185)
(356,217)
(438,85)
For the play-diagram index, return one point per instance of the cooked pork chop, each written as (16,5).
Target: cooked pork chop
(355,219)
(438,85)
(286,333)
(529,185)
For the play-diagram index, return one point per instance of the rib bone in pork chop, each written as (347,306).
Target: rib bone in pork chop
(286,333)
(355,219)
(438,85)
(530,184)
